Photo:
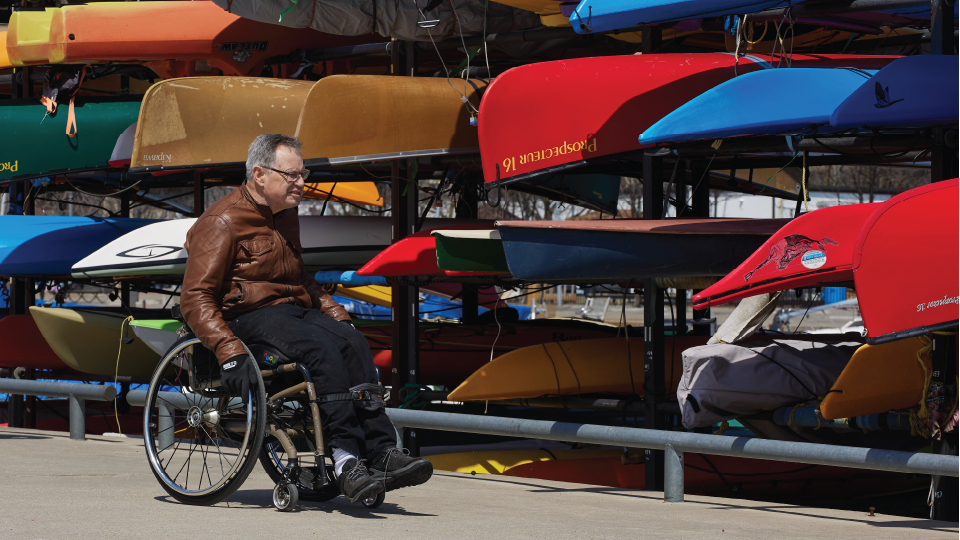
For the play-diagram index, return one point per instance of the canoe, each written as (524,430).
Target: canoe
(470,251)
(89,342)
(623,250)
(158,334)
(595,191)
(747,105)
(415,255)
(206,122)
(24,346)
(725,476)
(451,352)
(4,58)
(350,192)
(879,378)
(33,145)
(360,118)
(914,91)
(812,250)
(527,127)
(50,245)
(915,226)
(605,15)
(175,40)
(340,242)
(372,294)
(569,368)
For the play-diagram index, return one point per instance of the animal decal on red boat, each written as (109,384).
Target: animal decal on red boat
(790,247)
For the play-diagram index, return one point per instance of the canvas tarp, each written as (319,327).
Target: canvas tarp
(389,18)
(724,381)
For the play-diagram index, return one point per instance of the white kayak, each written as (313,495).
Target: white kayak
(329,242)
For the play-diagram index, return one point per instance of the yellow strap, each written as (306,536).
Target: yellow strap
(803,182)
(116,372)
(723,427)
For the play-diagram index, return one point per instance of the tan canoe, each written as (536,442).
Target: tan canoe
(201,122)
(89,342)
(361,118)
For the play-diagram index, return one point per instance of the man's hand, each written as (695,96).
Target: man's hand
(237,375)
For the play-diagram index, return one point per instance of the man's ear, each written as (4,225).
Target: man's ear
(259,174)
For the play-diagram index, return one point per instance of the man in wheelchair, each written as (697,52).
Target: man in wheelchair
(245,283)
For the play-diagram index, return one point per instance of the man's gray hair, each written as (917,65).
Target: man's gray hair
(263,150)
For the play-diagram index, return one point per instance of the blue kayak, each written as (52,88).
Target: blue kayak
(51,245)
(914,91)
(606,15)
(768,102)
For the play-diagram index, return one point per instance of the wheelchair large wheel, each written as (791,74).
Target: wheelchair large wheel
(273,457)
(201,443)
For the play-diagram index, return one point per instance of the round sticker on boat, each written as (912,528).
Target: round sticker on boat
(813,259)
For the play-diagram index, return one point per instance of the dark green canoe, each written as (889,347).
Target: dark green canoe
(32,146)
(470,251)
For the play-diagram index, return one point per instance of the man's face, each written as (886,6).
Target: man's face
(282,191)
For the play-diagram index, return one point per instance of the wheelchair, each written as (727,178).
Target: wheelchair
(202,443)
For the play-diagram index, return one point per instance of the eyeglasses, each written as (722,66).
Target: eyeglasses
(291,176)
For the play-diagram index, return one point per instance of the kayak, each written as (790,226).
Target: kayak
(605,15)
(915,226)
(342,241)
(361,118)
(158,334)
(880,378)
(812,250)
(24,346)
(89,342)
(415,255)
(619,251)
(914,91)
(51,245)
(174,40)
(590,366)
(470,251)
(747,106)
(34,144)
(529,127)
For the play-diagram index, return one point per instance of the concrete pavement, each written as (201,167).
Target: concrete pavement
(52,487)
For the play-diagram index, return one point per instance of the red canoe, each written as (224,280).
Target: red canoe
(415,255)
(24,345)
(552,116)
(809,251)
(450,352)
(905,264)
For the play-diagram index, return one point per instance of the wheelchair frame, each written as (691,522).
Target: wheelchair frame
(210,415)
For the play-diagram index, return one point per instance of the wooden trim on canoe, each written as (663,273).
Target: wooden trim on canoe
(362,118)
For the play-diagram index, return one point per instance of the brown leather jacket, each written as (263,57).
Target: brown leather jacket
(242,257)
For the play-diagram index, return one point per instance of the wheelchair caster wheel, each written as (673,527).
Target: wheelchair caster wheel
(285,497)
(374,502)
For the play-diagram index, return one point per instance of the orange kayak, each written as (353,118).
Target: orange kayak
(172,38)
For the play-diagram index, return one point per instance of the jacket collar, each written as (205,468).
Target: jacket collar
(262,208)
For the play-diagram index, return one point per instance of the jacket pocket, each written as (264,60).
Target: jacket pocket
(234,298)
(255,247)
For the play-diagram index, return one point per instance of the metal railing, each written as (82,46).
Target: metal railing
(675,443)
(76,393)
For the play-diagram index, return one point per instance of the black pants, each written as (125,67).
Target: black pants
(338,358)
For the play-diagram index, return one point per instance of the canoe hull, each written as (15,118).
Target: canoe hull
(24,345)
(88,342)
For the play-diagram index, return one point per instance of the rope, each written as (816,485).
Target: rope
(116,372)
(723,427)
(924,412)
(803,181)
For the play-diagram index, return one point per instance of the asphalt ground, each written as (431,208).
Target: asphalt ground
(55,488)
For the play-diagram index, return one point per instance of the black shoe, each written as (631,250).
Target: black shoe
(355,482)
(398,470)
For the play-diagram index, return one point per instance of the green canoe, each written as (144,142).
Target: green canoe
(32,145)
(470,251)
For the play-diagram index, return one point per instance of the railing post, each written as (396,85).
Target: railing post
(78,427)
(672,474)
(164,428)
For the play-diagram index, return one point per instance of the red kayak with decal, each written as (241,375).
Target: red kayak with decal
(553,116)
(415,255)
